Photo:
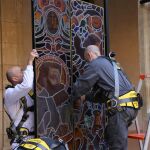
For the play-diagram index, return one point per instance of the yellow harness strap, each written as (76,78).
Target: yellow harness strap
(31,93)
(24,131)
(131,94)
(36,144)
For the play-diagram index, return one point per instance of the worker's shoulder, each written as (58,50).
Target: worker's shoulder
(7,91)
(102,60)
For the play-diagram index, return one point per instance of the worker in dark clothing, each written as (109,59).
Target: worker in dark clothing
(121,110)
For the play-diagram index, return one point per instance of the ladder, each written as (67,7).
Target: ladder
(138,135)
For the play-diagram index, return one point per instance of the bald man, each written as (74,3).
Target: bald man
(100,73)
(18,101)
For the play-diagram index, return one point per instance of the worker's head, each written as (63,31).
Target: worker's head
(14,75)
(91,53)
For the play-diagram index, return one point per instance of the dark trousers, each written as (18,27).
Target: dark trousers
(116,132)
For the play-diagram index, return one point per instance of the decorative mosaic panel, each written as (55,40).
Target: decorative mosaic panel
(62,30)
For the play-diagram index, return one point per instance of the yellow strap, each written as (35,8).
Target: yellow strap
(24,129)
(130,104)
(131,94)
(31,93)
(36,141)
(29,146)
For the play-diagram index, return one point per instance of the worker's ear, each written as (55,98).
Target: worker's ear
(90,55)
(14,79)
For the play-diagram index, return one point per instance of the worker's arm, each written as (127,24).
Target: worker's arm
(12,95)
(85,82)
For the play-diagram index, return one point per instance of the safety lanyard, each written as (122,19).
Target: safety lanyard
(116,74)
(116,79)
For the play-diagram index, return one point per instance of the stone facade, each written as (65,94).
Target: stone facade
(15,44)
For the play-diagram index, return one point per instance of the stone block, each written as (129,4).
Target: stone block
(9,10)
(9,32)
(10,54)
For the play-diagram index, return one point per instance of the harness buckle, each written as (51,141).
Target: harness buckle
(23,132)
(113,107)
(112,103)
(10,133)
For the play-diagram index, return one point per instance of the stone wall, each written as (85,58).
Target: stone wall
(15,44)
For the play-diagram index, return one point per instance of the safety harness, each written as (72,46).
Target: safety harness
(43,143)
(117,103)
(129,99)
(17,133)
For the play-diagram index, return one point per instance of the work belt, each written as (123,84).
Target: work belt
(130,99)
